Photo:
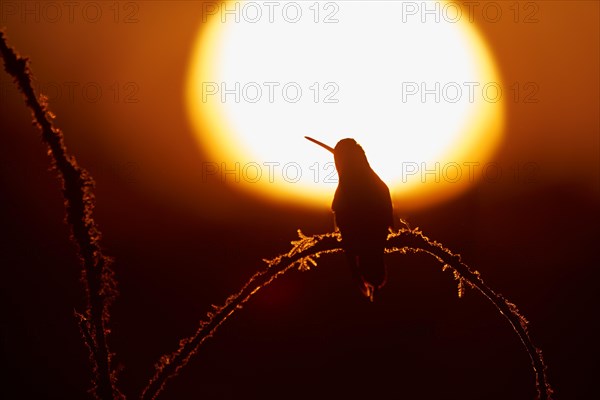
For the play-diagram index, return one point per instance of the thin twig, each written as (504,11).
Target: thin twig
(169,365)
(414,241)
(77,187)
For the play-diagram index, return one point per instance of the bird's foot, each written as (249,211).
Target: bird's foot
(368,290)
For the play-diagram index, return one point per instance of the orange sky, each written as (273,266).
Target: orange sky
(550,56)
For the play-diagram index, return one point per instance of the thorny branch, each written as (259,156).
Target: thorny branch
(302,256)
(77,187)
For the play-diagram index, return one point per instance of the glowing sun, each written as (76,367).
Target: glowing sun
(412,82)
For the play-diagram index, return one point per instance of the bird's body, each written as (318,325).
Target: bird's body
(363,213)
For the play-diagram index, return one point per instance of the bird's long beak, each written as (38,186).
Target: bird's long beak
(323,145)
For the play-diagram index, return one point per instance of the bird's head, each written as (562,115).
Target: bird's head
(348,155)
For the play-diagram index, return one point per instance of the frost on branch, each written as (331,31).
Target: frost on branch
(303,245)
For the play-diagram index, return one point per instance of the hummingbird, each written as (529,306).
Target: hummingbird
(363,212)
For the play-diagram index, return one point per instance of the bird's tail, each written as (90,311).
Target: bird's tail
(369,271)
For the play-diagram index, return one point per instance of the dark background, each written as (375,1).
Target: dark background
(181,244)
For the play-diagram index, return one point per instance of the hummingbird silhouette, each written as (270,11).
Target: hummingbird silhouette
(363,212)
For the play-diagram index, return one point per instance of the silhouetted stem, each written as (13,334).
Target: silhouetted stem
(415,241)
(169,365)
(302,255)
(77,186)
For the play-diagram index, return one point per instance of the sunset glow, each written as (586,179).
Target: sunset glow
(422,97)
